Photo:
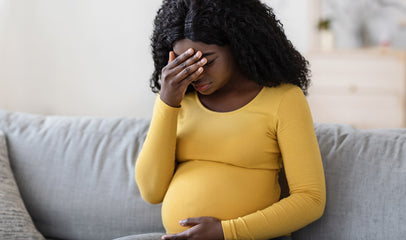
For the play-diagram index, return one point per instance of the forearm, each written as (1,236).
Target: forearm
(304,172)
(281,218)
(156,161)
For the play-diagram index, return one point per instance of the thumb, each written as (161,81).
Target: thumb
(178,236)
(171,56)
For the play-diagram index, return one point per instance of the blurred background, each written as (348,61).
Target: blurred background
(92,57)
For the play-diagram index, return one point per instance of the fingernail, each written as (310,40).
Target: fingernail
(190,50)
(198,54)
(204,60)
(183,222)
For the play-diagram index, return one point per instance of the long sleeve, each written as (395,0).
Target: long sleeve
(304,171)
(156,162)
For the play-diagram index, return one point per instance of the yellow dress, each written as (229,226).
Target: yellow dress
(199,162)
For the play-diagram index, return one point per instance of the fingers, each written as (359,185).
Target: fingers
(181,58)
(189,222)
(197,220)
(201,228)
(183,62)
(189,66)
(192,72)
(187,62)
(178,74)
(171,56)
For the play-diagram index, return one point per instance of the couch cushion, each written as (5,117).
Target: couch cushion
(365,180)
(15,222)
(146,236)
(76,175)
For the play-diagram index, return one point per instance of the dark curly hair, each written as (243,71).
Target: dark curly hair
(248,27)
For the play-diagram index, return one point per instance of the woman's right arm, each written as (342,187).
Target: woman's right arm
(156,162)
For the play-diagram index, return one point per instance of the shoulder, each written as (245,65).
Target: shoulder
(282,90)
(282,98)
(281,93)
(291,104)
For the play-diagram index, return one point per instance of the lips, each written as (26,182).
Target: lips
(201,86)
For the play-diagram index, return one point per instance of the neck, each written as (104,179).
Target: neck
(237,85)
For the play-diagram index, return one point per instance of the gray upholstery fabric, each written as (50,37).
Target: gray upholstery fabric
(147,236)
(15,222)
(366,184)
(76,175)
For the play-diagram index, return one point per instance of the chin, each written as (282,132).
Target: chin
(207,91)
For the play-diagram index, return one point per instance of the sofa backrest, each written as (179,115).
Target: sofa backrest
(76,174)
(366,184)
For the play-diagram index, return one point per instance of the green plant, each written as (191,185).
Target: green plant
(324,24)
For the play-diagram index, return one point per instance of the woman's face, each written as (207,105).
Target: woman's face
(220,69)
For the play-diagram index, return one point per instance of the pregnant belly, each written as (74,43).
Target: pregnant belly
(202,188)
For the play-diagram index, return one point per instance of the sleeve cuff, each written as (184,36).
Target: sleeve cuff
(163,110)
(228,230)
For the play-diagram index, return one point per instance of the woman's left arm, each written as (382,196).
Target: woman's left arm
(304,173)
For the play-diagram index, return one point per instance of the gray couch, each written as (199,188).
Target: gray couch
(73,178)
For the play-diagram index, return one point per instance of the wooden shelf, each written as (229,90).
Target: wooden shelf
(365,88)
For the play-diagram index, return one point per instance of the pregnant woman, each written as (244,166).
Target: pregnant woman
(230,113)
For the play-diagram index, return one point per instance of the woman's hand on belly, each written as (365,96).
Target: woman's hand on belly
(207,228)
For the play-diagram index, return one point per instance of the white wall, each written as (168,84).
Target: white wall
(91,57)
(76,57)
(299,19)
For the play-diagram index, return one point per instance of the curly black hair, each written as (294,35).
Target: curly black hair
(248,27)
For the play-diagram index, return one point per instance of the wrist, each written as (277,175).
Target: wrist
(167,101)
